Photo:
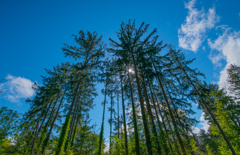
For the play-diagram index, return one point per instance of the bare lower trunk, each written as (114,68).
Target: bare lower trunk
(145,123)
(66,123)
(171,114)
(137,147)
(164,125)
(151,116)
(49,133)
(38,130)
(101,132)
(124,121)
(159,124)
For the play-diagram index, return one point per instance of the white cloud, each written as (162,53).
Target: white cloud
(16,88)
(107,145)
(196,130)
(204,122)
(227,47)
(192,32)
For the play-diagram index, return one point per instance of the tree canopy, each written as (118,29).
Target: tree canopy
(149,88)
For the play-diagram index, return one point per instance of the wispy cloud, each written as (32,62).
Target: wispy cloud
(16,88)
(193,32)
(226,47)
(204,123)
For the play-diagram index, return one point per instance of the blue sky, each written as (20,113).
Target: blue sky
(32,34)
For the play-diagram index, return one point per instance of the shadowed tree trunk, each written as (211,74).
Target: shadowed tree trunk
(159,124)
(102,127)
(137,147)
(151,115)
(170,112)
(65,128)
(124,121)
(146,130)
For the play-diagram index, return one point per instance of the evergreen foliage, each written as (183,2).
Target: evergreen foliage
(149,89)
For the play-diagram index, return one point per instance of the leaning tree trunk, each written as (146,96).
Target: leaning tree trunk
(145,123)
(36,130)
(101,132)
(170,112)
(47,123)
(174,139)
(75,128)
(159,124)
(137,147)
(83,135)
(51,127)
(182,124)
(71,126)
(65,127)
(118,113)
(151,115)
(164,126)
(210,112)
(110,148)
(124,121)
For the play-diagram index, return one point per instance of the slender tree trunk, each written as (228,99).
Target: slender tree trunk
(124,121)
(45,128)
(171,114)
(102,127)
(170,128)
(110,148)
(146,130)
(74,133)
(85,127)
(72,122)
(173,135)
(151,115)
(159,124)
(36,129)
(40,128)
(49,119)
(137,147)
(37,132)
(182,124)
(118,112)
(51,127)
(164,125)
(65,127)
(72,125)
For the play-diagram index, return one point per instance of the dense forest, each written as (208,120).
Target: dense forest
(149,89)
